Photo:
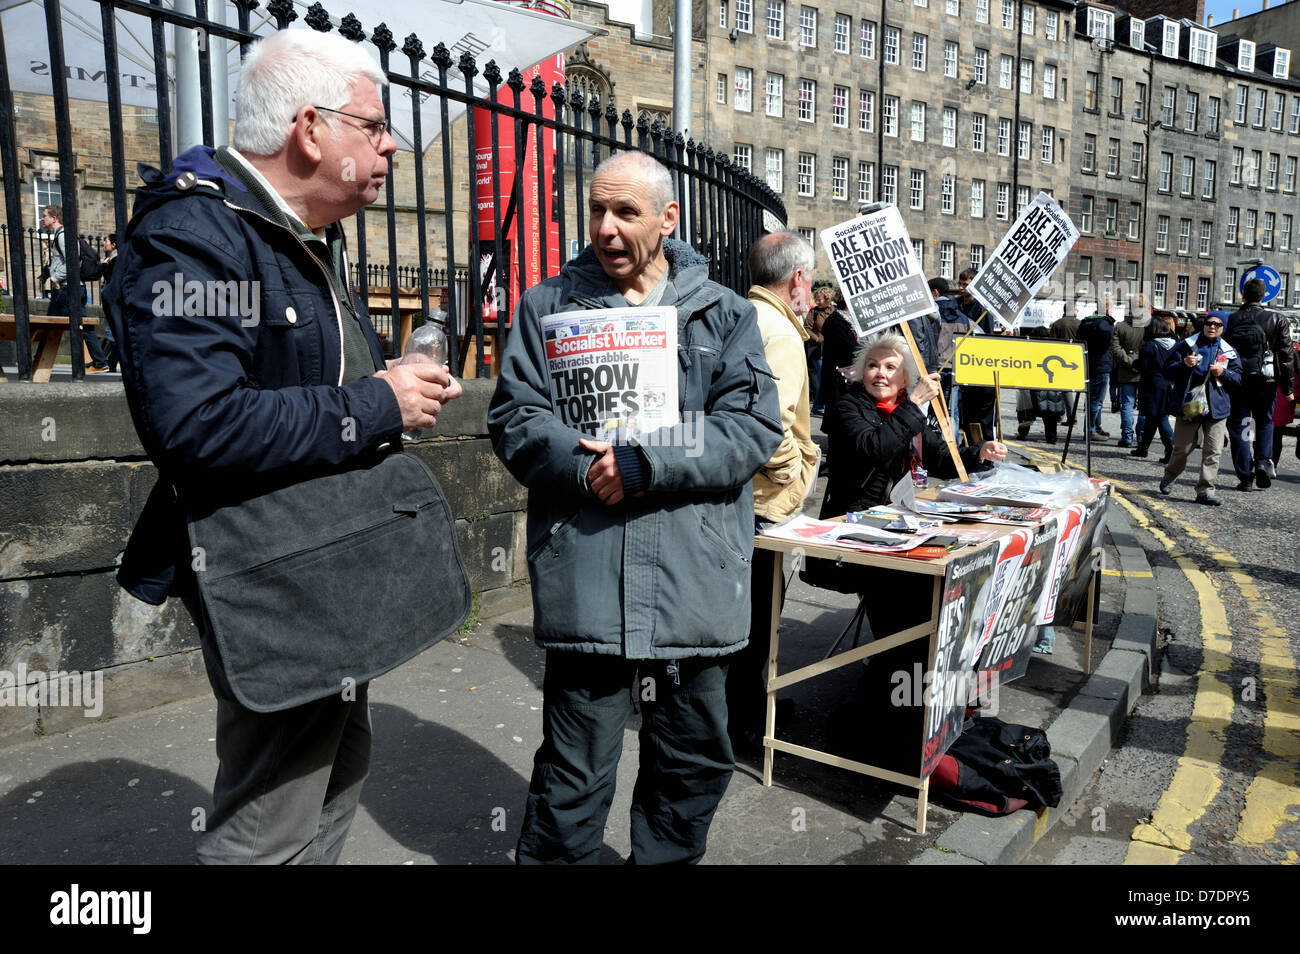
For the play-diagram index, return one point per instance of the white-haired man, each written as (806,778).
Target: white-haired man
(781,269)
(639,554)
(264,392)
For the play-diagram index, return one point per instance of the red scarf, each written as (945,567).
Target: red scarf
(888,407)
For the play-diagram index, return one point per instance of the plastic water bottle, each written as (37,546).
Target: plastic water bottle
(428,339)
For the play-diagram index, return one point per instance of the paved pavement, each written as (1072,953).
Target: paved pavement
(456,728)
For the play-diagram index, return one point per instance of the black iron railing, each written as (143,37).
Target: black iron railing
(724,204)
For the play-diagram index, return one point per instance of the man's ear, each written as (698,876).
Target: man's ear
(304,138)
(792,284)
(671,212)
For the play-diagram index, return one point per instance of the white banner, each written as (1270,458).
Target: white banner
(512,36)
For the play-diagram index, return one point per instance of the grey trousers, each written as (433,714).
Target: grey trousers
(686,758)
(1212,435)
(289,782)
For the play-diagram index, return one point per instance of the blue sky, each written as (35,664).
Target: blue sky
(1222,9)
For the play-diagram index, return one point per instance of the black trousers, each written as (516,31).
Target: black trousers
(686,758)
(59,308)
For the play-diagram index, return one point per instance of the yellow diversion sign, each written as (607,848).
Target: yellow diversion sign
(1055,365)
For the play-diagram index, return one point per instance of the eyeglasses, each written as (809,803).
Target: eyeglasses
(375,129)
(1212,324)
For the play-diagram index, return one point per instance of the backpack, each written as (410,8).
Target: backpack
(87,260)
(1252,347)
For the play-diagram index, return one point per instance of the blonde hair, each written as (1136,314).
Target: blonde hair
(887,341)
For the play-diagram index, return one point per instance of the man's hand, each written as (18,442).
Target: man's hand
(421,389)
(604,478)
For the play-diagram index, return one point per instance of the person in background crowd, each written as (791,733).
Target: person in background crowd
(52,221)
(1156,400)
(1263,342)
(977,401)
(812,325)
(1066,328)
(1284,409)
(781,266)
(1096,332)
(839,344)
(1202,360)
(1125,343)
(107,261)
(952,325)
(1044,403)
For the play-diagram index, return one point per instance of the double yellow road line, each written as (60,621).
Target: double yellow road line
(1273,796)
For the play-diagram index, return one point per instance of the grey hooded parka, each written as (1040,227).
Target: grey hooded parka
(663,575)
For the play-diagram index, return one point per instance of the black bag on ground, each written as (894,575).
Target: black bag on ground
(998,762)
(341,576)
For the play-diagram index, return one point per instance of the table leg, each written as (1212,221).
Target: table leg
(773,649)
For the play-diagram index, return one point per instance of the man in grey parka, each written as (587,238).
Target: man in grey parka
(639,554)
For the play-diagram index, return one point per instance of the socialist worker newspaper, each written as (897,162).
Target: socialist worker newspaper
(613,371)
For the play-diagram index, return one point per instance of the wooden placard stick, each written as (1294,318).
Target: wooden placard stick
(940,410)
(964,335)
(997,407)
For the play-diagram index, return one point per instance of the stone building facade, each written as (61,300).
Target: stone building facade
(1185,160)
(957,110)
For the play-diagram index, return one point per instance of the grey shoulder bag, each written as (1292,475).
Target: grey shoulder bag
(329,581)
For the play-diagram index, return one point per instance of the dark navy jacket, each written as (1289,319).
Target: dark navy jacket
(230,335)
(1182,378)
(1155,393)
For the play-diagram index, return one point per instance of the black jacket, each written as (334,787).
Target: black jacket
(870,451)
(1156,397)
(839,345)
(1096,332)
(1278,332)
(221,401)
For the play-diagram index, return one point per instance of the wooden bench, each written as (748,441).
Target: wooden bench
(409,304)
(47,334)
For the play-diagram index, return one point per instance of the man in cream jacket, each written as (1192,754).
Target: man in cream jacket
(781,267)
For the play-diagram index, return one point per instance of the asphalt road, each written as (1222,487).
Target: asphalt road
(1208,768)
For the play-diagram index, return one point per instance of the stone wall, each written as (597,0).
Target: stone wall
(73,480)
